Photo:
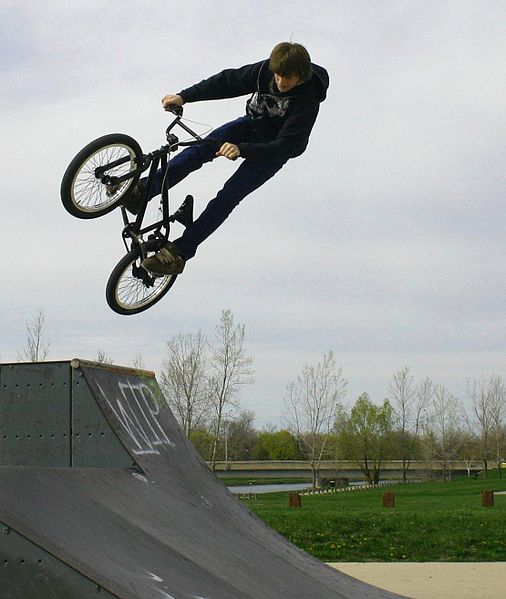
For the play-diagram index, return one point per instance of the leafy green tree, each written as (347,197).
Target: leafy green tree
(280,445)
(203,442)
(365,435)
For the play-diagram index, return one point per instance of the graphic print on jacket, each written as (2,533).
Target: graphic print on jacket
(262,105)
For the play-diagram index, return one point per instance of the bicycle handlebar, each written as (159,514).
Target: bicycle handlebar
(178,112)
(175,109)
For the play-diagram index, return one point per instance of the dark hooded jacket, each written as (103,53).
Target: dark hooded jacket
(282,122)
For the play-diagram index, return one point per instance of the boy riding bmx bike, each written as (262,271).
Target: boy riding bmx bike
(285,94)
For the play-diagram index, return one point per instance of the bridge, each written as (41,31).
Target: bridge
(390,469)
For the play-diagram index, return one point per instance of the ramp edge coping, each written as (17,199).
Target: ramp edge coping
(76,363)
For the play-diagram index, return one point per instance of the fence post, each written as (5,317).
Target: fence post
(389,499)
(487,498)
(294,500)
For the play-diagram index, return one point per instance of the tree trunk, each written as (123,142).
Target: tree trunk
(314,473)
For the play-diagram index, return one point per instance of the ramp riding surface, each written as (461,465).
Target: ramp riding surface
(158,525)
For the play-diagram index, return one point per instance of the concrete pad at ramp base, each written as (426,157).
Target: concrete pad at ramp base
(433,580)
(165,528)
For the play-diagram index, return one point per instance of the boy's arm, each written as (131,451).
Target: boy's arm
(229,83)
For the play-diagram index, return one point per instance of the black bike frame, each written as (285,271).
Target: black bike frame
(133,230)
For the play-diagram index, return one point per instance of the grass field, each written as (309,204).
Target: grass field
(438,521)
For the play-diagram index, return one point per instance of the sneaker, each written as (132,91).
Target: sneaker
(168,261)
(133,200)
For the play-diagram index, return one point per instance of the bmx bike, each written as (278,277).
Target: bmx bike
(100,178)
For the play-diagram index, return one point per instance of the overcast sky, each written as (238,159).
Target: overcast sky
(384,241)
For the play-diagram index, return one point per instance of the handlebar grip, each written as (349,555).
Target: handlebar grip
(175,109)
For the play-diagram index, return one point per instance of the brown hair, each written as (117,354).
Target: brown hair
(288,59)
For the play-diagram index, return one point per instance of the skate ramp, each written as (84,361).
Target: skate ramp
(153,523)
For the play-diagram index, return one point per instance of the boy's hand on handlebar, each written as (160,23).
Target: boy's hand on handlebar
(228,150)
(171,100)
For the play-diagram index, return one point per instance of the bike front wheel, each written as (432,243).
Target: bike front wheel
(132,289)
(83,192)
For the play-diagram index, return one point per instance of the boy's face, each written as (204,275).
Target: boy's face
(285,83)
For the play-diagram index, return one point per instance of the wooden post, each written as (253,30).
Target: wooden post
(294,500)
(487,498)
(389,499)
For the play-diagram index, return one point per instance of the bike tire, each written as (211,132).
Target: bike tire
(82,193)
(130,288)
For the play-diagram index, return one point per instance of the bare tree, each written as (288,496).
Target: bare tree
(423,435)
(184,380)
(138,362)
(409,401)
(497,392)
(481,422)
(424,395)
(240,436)
(230,367)
(311,404)
(403,393)
(36,348)
(103,358)
(468,449)
(444,422)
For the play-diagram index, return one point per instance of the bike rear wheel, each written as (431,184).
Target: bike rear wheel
(82,191)
(130,288)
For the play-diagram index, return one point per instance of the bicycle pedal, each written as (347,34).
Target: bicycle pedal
(184,214)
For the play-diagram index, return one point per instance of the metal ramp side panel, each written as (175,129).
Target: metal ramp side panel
(137,412)
(35,414)
(28,571)
(94,443)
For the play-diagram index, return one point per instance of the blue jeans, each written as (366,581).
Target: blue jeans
(250,175)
